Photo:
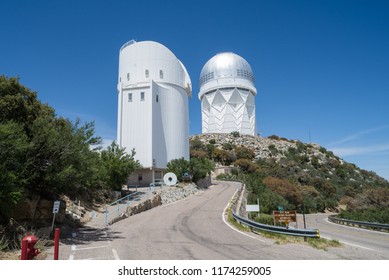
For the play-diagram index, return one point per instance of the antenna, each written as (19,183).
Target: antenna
(170,179)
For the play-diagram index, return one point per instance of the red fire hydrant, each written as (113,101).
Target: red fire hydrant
(28,247)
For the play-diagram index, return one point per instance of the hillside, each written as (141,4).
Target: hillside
(292,173)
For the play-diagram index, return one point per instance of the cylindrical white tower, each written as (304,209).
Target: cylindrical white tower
(227,95)
(153,118)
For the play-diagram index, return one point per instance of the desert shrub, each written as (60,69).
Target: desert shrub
(244,153)
(245,165)
(284,188)
(227,146)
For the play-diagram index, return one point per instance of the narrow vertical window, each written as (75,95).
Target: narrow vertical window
(156,98)
(160,74)
(147,73)
(130,97)
(128,76)
(120,79)
(142,96)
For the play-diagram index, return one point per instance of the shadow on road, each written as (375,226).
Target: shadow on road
(86,235)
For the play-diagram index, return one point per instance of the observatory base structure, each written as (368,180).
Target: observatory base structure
(153,118)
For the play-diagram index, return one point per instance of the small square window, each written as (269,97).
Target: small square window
(142,96)
(130,97)
(160,74)
(147,73)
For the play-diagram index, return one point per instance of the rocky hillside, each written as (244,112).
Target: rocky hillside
(307,157)
(293,171)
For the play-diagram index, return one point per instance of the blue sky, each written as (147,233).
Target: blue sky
(321,67)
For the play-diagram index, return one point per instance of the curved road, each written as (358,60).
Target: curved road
(192,228)
(374,241)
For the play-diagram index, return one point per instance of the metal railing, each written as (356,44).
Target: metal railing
(276,229)
(375,226)
(269,228)
(119,207)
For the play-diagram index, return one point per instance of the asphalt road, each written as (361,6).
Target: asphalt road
(373,241)
(193,228)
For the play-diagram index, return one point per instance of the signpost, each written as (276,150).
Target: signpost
(56,205)
(285,216)
(253,208)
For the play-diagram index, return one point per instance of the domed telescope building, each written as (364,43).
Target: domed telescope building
(153,89)
(227,94)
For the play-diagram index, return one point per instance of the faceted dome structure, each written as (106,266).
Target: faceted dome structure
(227,95)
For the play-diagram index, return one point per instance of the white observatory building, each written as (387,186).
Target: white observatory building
(227,94)
(153,118)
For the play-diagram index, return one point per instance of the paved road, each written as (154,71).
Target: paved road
(192,228)
(360,238)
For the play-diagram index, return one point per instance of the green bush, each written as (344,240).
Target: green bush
(227,146)
(264,219)
(372,215)
(235,134)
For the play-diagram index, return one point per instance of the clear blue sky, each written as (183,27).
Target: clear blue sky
(321,67)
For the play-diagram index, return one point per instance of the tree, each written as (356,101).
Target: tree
(178,167)
(13,147)
(284,188)
(117,165)
(20,104)
(200,168)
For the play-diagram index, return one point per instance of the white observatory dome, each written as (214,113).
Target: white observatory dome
(141,62)
(226,69)
(227,94)
(153,114)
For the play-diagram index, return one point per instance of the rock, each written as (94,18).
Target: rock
(32,207)
(172,194)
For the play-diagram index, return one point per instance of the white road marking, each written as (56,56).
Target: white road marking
(74,247)
(89,248)
(71,257)
(224,220)
(351,244)
(115,254)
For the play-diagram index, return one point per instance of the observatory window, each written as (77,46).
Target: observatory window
(130,97)
(147,73)
(142,96)
(160,74)
(128,76)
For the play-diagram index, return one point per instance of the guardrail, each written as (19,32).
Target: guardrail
(314,233)
(276,229)
(375,226)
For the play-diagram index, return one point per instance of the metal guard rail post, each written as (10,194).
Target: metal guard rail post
(295,232)
(379,226)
